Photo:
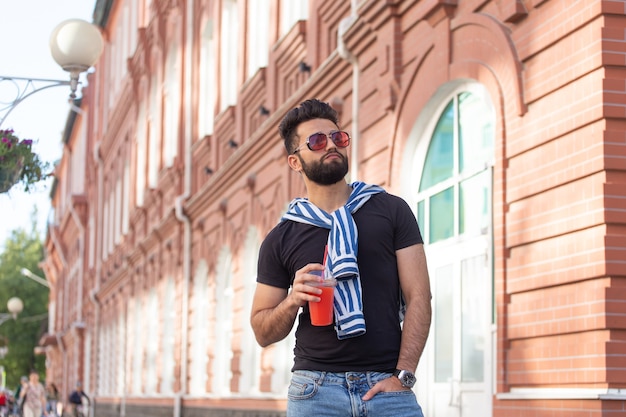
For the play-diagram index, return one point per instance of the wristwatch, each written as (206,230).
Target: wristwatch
(407,378)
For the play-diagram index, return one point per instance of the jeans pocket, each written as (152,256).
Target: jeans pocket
(302,387)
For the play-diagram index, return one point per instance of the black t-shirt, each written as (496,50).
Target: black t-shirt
(385,224)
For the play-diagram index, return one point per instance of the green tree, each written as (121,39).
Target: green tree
(22,250)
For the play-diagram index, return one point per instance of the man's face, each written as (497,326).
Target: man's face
(326,166)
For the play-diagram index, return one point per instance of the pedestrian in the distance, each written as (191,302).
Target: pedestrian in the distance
(52,398)
(33,397)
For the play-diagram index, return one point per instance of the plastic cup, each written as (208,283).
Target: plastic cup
(322,311)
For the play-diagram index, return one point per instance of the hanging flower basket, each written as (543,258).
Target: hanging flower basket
(18,162)
(9,177)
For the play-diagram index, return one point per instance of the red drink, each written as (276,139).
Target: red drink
(322,311)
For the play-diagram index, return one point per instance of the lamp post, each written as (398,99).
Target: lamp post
(39,280)
(15,307)
(75,45)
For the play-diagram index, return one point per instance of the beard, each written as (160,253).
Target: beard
(326,173)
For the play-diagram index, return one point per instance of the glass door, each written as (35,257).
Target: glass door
(459,352)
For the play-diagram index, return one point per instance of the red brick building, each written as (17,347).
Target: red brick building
(501,122)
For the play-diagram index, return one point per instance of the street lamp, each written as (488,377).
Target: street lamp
(75,45)
(15,307)
(15,304)
(29,274)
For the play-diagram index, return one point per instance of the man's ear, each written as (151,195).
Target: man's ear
(294,163)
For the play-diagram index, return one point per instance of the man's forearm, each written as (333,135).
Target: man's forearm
(274,324)
(414,333)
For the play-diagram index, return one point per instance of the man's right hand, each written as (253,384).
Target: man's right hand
(301,291)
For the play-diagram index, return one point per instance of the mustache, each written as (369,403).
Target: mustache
(331,153)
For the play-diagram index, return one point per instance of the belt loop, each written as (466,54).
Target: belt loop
(321,378)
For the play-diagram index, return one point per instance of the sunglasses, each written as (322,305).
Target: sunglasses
(317,141)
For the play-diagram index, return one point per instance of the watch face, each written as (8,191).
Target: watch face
(410,379)
(407,378)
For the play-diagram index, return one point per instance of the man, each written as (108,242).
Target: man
(33,397)
(18,399)
(364,364)
(76,399)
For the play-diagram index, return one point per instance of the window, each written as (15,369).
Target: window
(258,35)
(120,355)
(152,341)
(292,11)
(199,330)
(172,106)
(223,353)
(126,194)
(455,182)
(208,71)
(250,364)
(140,155)
(154,145)
(137,344)
(168,338)
(229,49)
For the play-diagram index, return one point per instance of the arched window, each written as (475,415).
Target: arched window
(199,329)
(453,192)
(222,347)
(168,339)
(250,362)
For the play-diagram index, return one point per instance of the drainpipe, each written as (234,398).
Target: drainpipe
(179,210)
(344,53)
(98,250)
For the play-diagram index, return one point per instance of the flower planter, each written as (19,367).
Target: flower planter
(18,162)
(8,178)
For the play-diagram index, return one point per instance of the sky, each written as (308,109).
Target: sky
(24,52)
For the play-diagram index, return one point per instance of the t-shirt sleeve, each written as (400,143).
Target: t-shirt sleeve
(407,232)
(271,268)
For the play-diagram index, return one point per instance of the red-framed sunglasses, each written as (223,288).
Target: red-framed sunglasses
(317,141)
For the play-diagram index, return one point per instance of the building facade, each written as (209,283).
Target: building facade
(501,122)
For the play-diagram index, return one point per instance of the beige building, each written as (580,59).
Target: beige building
(501,122)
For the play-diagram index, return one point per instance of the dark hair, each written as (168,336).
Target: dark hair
(308,110)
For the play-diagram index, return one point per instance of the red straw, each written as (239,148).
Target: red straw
(324,261)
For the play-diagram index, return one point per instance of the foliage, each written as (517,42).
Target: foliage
(19,163)
(22,250)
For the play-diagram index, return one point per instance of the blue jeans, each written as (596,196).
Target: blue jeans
(328,394)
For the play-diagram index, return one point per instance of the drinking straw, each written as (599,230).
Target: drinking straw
(324,260)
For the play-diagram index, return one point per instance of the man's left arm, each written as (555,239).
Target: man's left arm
(415,285)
